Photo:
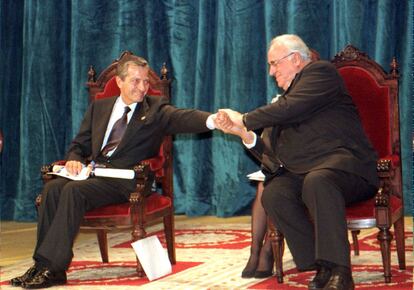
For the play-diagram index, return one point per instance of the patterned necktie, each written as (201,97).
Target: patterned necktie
(116,133)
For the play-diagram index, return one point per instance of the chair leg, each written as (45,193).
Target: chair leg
(355,234)
(170,237)
(103,244)
(384,237)
(400,241)
(138,233)
(278,247)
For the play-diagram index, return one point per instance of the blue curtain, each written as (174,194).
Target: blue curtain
(216,54)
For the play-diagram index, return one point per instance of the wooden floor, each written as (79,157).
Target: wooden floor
(19,239)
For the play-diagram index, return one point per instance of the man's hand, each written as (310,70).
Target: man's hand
(235,116)
(224,122)
(73,167)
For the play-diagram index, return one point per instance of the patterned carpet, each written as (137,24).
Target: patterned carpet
(210,257)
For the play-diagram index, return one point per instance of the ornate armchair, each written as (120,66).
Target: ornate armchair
(375,94)
(141,210)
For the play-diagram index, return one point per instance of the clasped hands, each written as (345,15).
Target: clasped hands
(231,122)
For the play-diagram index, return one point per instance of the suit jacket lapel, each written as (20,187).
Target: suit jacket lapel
(104,113)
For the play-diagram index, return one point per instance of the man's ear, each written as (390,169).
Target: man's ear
(118,81)
(297,59)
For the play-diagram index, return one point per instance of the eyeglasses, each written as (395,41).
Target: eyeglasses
(275,63)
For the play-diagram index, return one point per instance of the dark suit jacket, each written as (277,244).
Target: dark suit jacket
(313,125)
(142,139)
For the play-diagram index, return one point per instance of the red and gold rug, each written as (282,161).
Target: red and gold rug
(211,257)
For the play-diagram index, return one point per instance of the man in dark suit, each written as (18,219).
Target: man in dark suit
(117,132)
(315,156)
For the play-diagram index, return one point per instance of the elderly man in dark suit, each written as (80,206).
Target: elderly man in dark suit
(118,132)
(315,156)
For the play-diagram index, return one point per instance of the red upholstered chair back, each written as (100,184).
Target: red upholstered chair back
(373,103)
(375,94)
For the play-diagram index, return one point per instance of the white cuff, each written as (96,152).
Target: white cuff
(251,145)
(210,122)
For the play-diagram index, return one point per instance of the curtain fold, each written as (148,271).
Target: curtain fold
(216,55)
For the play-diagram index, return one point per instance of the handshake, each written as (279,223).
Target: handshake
(231,122)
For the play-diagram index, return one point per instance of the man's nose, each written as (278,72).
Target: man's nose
(272,70)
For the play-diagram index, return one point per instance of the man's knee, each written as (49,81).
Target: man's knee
(51,190)
(54,185)
(321,185)
(58,190)
(71,191)
(272,200)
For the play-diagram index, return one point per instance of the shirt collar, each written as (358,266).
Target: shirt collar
(120,102)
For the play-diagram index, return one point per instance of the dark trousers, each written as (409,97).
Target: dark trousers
(63,206)
(309,209)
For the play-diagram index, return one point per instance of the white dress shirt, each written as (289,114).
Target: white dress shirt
(117,112)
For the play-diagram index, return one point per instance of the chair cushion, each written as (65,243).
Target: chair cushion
(366,209)
(154,203)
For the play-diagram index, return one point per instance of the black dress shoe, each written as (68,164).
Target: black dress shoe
(263,274)
(44,279)
(30,273)
(321,279)
(340,281)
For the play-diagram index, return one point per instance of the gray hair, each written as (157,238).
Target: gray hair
(125,62)
(293,43)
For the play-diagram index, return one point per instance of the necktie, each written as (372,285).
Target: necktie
(116,133)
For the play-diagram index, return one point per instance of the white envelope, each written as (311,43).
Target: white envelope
(153,257)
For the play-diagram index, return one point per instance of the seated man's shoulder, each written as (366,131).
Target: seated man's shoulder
(321,63)
(156,100)
(322,66)
(105,100)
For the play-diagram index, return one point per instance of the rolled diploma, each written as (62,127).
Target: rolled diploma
(115,173)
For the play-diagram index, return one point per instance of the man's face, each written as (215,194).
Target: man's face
(282,65)
(135,85)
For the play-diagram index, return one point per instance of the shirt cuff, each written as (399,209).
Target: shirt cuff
(251,145)
(210,122)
